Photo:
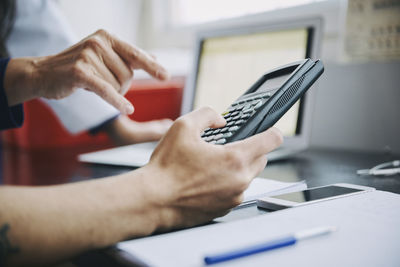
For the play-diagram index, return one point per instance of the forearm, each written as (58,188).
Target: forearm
(124,131)
(48,224)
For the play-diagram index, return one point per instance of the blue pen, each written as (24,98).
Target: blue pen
(270,245)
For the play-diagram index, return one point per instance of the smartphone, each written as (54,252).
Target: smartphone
(261,106)
(312,195)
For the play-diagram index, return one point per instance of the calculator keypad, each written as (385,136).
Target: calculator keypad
(236,116)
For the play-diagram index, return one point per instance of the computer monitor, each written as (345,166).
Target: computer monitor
(229,60)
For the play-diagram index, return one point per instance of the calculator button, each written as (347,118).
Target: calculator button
(235,113)
(221,141)
(228,119)
(239,122)
(212,142)
(225,129)
(249,110)
(236,118)
(245,116)
(247,106)
(216,131)
(209,138)
(234,128)
(230,123)
(235,104)
(238,108)
(241,101)
(218,136)
(227,115)
(228,134)
(209,133)
(258,104)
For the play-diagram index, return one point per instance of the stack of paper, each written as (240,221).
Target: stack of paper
(368,235)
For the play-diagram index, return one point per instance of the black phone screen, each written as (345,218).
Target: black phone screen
(317,193)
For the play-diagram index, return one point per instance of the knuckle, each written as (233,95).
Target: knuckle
(94,42)
(126,76)
(77,70)
(277,137)
(181,124)
(134,53)
(102,32)
(84,56)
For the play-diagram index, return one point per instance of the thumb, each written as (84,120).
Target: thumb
(205,117)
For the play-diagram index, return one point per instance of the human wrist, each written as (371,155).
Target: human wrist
(138,206)
(160,189)
(20,81)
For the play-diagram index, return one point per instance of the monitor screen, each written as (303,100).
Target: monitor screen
(229,65)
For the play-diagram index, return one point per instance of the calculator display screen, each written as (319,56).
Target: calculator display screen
(273,83)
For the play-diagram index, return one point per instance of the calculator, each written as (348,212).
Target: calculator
(261,106)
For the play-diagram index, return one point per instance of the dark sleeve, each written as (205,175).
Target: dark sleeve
(10,117)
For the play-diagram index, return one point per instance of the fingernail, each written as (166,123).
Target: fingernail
(129,109)
(163,74)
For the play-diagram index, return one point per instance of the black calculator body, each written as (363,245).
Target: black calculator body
(261,106)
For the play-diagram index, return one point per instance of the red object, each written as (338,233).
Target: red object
(42,129)
(156,100)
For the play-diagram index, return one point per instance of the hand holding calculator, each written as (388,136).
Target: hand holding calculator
(261,106)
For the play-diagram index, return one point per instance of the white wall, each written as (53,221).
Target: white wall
(120,17)
(358,107)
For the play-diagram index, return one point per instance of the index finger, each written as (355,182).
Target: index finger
(139,59)
(259,144)
(108,93)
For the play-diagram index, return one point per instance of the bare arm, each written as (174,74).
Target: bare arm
(187,182)
(48,224)
(100,63)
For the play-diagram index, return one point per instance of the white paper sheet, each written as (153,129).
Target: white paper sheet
(368,235)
